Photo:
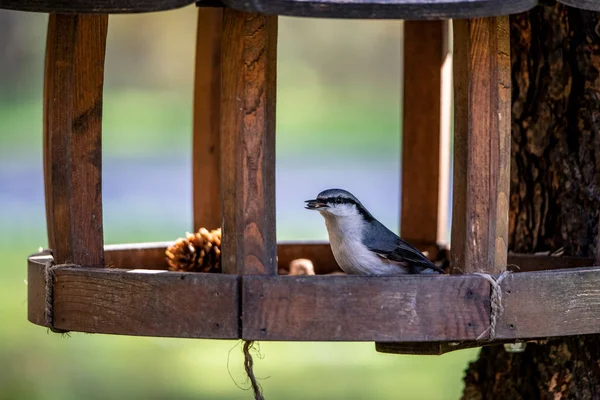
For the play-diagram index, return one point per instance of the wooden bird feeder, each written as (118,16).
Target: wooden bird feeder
(234,139)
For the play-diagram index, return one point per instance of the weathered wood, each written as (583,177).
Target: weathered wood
(137,255)
(354,308)
(136,302)
(73,81)
(550,303)
(248,143)
(420,309)
(152,256)
(93,6)
(207,120)
(555,52)
(378,9)
(481,145)
(425,166)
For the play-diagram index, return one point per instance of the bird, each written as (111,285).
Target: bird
(361,244)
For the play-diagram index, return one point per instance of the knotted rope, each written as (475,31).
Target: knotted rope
(495,303)
(49,275)
(248,364)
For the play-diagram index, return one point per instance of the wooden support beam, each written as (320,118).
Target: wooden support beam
(426,134)
(135,302)
(481,145)
(249,47)
(73,82)
(207,120)
(424,313)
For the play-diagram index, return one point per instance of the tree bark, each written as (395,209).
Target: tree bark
(555,191)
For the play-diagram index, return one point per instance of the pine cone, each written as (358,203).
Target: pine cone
(197,252)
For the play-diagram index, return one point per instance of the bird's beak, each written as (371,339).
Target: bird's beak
(314,205)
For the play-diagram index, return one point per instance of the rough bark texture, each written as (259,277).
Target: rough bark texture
(555,191)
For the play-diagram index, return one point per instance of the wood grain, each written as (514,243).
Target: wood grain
(73,81)
(248,143)
(425,310)
(207,120)
(550,303)
(93,6)
(137,302)
(481,145)
(152,256)
(354,308)
(423,176)
(382,9)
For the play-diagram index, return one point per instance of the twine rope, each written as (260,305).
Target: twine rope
(248,366)
(495,303)
(49,276)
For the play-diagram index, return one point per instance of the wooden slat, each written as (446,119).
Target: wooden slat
(207,120)
(93,6)
(248,143)
(424,310)
(137,255)
(378,9)
(74,76)
(141,303)
(355,308)
(481,145)
(152,256)
(550,303)
(422,177)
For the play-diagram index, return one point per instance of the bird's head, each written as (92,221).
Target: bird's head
(338,203)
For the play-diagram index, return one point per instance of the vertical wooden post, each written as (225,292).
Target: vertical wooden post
(73,82)
(425,134)
(481,145)
(207,119)
(248,143)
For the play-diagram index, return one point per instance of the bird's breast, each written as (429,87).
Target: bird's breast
(352,255)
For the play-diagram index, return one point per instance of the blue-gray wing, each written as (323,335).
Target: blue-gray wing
(387,244)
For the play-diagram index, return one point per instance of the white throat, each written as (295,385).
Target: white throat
(346,234)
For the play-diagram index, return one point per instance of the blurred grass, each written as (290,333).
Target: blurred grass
(138,123)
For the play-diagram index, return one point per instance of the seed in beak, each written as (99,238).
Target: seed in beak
(314,204)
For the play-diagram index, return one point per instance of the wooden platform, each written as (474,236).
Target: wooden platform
(151,301)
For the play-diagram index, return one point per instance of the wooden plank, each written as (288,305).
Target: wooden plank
(424,310)
(423,176)
(481,145)
(137,255)
(248,143)
(93,6)
(550,303)
(356,308)
(152,256)
(534,262)
(389,9)
(136,302)
(74,76)
(207,120)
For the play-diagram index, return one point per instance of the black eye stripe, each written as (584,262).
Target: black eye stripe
(337,200)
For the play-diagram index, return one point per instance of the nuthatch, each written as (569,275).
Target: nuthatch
(361,244)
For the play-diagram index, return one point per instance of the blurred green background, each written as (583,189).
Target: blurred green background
(338,125)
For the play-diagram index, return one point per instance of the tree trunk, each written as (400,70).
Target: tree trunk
(555,191)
